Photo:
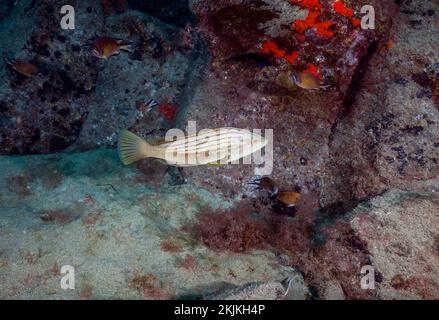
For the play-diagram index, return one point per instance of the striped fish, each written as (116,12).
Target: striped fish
(209,146)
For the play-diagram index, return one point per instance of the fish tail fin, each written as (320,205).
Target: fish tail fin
(127,47)
(131,148)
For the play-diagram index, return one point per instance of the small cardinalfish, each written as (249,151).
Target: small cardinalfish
(105,47)
(285,197)
(22,67)
(288,198)
(209,146)
(307,80)
(265,183)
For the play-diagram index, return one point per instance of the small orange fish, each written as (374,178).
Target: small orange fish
(285,80)
(265,183)
(307,80)
(22,67)
(288,198)
(105,47)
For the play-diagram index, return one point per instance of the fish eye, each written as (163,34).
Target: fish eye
(294,77)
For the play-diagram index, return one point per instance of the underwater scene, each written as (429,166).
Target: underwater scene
(219,149)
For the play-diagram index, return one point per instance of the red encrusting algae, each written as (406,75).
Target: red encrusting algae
(310,4)
(355,22)
(271,47)
(291,58)
(313,21)
(340,8)
(324,28)
(169,110)
(315,70)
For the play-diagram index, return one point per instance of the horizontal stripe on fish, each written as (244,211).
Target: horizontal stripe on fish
(193,140)
(208,146)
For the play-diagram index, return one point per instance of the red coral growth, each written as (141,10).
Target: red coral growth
(323,27)
(313,21)
(269,47)
(314,70)
(169,110)
(340,8)
(292,58)
(309,4)
(355,22)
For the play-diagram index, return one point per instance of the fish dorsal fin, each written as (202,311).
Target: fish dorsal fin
(156,141)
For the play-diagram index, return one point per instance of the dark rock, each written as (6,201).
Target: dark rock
(73,92)
(175,12)
(242,87)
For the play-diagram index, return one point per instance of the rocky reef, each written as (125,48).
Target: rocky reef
(362,156)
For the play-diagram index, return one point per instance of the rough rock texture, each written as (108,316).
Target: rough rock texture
(126,239)
(242,88)
(389,136)
(77,100)
(120,234)
(363,155)
(401,232)
(267,291)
